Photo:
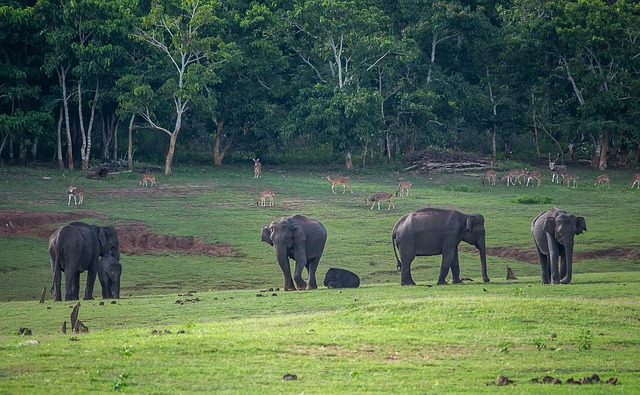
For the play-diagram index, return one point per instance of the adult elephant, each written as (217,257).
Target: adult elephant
(75,248)
(301,239)
(553,232)
(432,231)
(109,272)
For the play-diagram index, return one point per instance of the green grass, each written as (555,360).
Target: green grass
(380,338)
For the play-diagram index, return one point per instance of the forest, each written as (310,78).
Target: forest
(318,81)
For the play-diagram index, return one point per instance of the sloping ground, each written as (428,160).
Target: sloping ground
(134,238)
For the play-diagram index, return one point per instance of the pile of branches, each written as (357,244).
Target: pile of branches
(432,159)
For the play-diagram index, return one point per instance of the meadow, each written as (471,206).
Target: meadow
(193,321)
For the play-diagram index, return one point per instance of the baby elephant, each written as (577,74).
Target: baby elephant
(109,272)
(341,278)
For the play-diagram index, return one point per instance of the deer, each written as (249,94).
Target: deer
(568,177)
(148,179)
(257,168)
(77,193)
(532,176)
(558,171)
(602,178)
(344,181)
(378,197)
(512,176)
(262,198)
(635,181)
(490,176)
(404,187)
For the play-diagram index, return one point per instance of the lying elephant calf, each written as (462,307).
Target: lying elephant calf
(341,278)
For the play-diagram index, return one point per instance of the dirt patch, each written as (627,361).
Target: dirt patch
(531,256)
(135,239)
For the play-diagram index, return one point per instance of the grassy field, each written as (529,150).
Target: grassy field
(192,322)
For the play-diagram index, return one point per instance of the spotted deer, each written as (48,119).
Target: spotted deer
(558,171)
(148,179)
(378,197)
(344,181)
(262,198)
(404,187)
(568,177)
(77,193)
(602,178)
(257,168)
(635,181)
(532,176)
(513,175)
(490,176)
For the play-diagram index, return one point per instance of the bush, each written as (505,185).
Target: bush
(526,199)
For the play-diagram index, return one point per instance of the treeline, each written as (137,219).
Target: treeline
(363,80)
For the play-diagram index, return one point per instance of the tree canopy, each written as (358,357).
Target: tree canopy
(318,79)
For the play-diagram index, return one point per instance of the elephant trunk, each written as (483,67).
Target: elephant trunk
(566,269)
(483,261)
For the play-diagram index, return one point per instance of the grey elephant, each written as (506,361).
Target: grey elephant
(554,232)
(341,278)
(432,231)
(301,239)
(109,272)
(75,248)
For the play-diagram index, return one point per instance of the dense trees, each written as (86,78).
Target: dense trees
(370,79)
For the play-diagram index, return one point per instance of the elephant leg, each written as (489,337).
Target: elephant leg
(544,268)
(448,256)
(57,280)
(297,275)
(455,269)
(91,280)
(312,267)
(71,281)
(283,261)
(405,273)
(553,259)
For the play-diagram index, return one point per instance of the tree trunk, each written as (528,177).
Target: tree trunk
(347,160)
(59,142)
(492,135)
(535,125)
(602,162)
(85,151)
(217,155)
(130,146)
(62,78)
(168,164)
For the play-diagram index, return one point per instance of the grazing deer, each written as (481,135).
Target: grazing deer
(635,181)
(568,177)
(262,198)
(490,176)
(533,176)
(148,179)
(77,193)
(558,171)
(602,178)
(378,197)
(512,176)
(404,187)
(257,168)
(344,181)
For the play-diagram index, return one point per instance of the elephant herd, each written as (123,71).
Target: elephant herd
(79,247)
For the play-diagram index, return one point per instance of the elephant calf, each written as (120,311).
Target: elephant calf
(109,272)
(341,278)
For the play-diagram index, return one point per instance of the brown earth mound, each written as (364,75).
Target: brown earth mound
(531,256)
(134,238)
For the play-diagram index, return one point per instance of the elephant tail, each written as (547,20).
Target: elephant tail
(395,252)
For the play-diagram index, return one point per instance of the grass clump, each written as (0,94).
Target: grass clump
(528,199)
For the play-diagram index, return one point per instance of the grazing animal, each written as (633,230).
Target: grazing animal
(148,179)
(262,198)
(512,176)
(533,176)
(558,171)
(603,178)
(404,187)
(378,197)
(635,181)
(490,176)
(257,168)
(77,193)
(341,278)
(568,177)
(344,181)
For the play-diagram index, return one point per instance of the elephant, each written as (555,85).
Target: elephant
(341,278)
(75,248)
(432,231)
(109,272)
(301,239)
(554,231)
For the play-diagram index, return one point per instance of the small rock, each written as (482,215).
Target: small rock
(259,295)
(585,380)
(289,377)
(551,380)
(553,335)
(24,332)
(31,342)
(570,380)
(274,294)
(113,302)
(502,381)
(534,380)
(595,378)
(612,381)
(181,331)
(101,304)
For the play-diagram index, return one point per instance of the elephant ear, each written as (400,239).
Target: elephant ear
(550,225)
(102,237)
(266,235)
(581,225)
(474,220)
(298,234)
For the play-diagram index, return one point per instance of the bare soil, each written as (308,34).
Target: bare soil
(135,239)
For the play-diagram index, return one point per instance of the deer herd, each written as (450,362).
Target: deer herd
(512,177)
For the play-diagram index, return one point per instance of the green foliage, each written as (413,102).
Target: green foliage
(528,199)
(584,340)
